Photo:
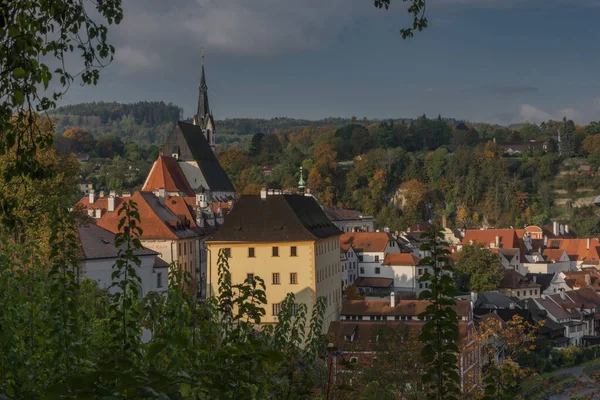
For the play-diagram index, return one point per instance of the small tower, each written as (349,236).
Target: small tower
(301,181)
(203,117)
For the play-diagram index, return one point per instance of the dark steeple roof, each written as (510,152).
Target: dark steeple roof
(193,146)
(203,112)
(276,218)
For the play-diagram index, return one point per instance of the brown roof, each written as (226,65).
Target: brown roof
(403,307)
(166,173)
(508,237)
(342,214)
(514,280)
(365,281)
(552,254)
(577,279)
(276,218)
(577,248)
(156,220)
(96,242)
(366,241)
(401,259)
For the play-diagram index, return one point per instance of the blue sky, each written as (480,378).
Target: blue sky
(499,61)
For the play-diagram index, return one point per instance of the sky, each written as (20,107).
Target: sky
(496,61)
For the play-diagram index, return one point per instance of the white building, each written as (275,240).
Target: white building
(404,268)
(99,254)
(348,220)
(349,263)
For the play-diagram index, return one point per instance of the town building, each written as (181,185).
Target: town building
(289,242)
(405,270)
(513,284)
(348,220)
(349,262)
(371,249)
(99,254)
(355,336)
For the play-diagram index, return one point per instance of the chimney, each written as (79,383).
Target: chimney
(534,278)
(160,151)
(555,228)
(161,196)
(563,295)
(111,203)
(392,299)
(444,222)
(92,196)
(263,193)
(561,229)
(498,242)
(473,297)
(112,193)
(90,212)
(567,229)
(97,213)
(545,240)
(588,243)
(511,306)
(101,193)
(588,279)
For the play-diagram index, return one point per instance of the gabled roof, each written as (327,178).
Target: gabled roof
(96,242)
(99,202)
(166,173)
(543,279)
(156,220)
(402,307)
(367,241)
(552,254)
(552,308)
(577,248)
(514,280)
(508,237)
(582,279)
(276,218)
(401,259)
(343,214)
(493,299)
(192,145)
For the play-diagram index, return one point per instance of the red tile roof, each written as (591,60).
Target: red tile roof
(100,202)
(577,249)
(552,254)
(577,279)
(166,173)
(508,237)
(375,242)
(403,307)
(365,281)
(157,221)
(401,259)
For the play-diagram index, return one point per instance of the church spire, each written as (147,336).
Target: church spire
(203,117)
(301,181)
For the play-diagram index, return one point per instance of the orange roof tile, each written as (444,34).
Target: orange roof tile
(401,259)
(552,254)
(100,202)
(508,237)
(166,173)
(366,241)
(577,249)
(577,279)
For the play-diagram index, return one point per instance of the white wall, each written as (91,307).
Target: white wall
(101,271)
(547,268)
(366,225)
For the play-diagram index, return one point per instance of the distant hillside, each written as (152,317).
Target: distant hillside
(148,123)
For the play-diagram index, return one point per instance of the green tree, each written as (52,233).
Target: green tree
(566,140)
(479,267)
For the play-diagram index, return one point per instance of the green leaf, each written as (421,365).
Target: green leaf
(18,73)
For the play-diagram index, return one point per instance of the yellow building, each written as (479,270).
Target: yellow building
(290,243)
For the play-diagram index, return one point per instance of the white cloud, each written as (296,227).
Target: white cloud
(133,60)
(529,113)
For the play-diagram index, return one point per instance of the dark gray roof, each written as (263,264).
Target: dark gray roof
(276,218)
(97,243)
(542,279)
(193,146)
(493,299)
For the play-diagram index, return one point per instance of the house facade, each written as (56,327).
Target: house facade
(349,262)
(289,242)
(348,220)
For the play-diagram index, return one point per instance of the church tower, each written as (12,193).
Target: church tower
(203,117)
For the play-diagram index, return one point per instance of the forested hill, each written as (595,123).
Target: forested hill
(147,123)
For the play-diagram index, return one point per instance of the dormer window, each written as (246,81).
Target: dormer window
(175,152)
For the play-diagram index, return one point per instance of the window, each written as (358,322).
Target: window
(226,250)
(295,309)
(276,308)
(184,248)
(362,270)
(250,278)
(360,258)
(159,283)
(293,278)
(530,292)
(535,292)
(420,286)
(420,271)
(276,278)
(251,252)
(377,270)
(376,258)
(293,251)
(179,248)
(518,293)
(275,251)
